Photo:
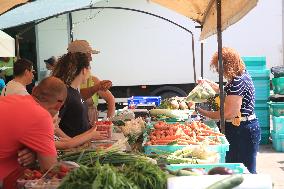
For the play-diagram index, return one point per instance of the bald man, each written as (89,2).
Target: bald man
(29,124)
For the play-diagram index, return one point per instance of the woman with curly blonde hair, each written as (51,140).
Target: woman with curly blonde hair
(242,127)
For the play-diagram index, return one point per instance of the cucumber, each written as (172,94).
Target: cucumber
(186,173)
(227,183)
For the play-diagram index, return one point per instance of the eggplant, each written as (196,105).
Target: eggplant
(220,171)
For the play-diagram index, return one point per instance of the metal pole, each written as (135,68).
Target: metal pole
(220,65)
(70,23)
(202,71)
(17,46)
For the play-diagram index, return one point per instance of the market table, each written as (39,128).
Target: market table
(251,181)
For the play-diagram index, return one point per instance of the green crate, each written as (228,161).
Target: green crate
(254,62)
(277,141)
(278,124)
(278,85)
(265,134)
(276,108)
(236,167)
(159,149)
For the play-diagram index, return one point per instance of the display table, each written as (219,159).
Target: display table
(251,181)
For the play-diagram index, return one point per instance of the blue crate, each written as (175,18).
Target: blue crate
(238,168)
(278,124)
(144,100)
(159,149)
(277,141)
(255,62)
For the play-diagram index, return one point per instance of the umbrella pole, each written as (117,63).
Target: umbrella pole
(220,65)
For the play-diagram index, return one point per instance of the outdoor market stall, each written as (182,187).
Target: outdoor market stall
(191,142)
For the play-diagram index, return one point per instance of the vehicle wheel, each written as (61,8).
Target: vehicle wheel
(168,91)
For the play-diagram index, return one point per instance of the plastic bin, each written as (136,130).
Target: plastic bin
(277,141)
(265,134)
(135,100)
(260,74)
(278,124)
(159,149)
(262,89)
(278,85)
(236,167)
(262,114)
(254,62)
(276,108)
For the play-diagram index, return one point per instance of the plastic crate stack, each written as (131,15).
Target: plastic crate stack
(277,111)
(256,66)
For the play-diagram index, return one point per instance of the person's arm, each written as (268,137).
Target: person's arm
(231,109)
(80,139)
(46,162)
(110,100)
(41,140)
(58,132)
(89,92)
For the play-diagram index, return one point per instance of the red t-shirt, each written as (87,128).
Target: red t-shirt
(23,123)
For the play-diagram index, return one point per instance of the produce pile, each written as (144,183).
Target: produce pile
(50,179)
(201,93)
(111,168)
(174,103)
(182,134)
(197,155)
(133,129)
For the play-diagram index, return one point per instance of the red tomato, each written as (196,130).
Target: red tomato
(64,168)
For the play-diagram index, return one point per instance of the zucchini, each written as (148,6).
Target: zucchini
(228,182)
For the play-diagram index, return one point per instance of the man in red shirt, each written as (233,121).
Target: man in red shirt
(26,122)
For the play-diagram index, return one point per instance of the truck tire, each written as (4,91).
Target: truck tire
(168,91)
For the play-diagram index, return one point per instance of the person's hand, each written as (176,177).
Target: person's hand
(26,157)
(100,135)
(200,110)
(105,85)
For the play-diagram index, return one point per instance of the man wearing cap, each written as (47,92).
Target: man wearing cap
(49,64)
(23,72)
(84,47)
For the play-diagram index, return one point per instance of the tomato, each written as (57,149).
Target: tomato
(37,174)
(64,169)
(61,175)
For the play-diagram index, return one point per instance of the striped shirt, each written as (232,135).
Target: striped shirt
(243,86)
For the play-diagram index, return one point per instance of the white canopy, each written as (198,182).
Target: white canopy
(204,12)
(7,45)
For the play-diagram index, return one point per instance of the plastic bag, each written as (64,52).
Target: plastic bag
(201,93)
(278,71)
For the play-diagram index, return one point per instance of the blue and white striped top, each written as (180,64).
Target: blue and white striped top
(243,86)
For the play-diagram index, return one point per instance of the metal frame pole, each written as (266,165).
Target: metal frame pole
(220,65)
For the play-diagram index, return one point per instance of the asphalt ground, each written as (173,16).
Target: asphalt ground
(271,162)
